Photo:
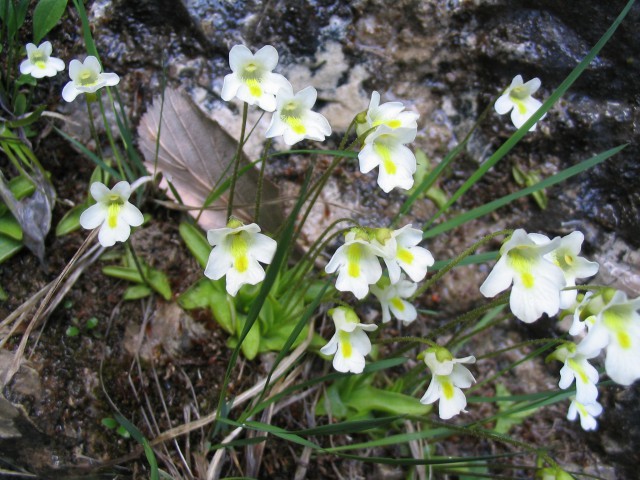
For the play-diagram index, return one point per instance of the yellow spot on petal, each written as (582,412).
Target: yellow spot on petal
(254,87)
(568,259)
(447,390)
(239,249)
(393,123)
(624,340)
(295,123)
(527,280)
(387,162)
(397,303)
(354,253)
(405,256)
(112,214)
(345,344)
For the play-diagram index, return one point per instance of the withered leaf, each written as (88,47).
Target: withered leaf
(195,153)
(33,213)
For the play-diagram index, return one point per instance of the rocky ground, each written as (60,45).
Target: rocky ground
(446,60)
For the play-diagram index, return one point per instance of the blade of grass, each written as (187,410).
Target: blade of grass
(500,202)
(137,435)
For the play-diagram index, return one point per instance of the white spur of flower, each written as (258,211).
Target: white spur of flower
(112,213)
(350,343)
(293,118)
(237,252)
(518,100)
(536,281)
(39,62)
(252,79)
(87,77)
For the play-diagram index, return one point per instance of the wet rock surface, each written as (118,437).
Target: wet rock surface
(448,60)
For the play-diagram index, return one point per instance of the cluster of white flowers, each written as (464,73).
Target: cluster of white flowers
(86,77)
(539,269)
(357,261)
(358,265)
(252,80)
(388,128)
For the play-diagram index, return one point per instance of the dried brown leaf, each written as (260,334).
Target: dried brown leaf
(195,153)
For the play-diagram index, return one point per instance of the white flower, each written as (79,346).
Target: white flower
(566,257)
(385,148)
(536,281)
(587,413)
(356,263)
(449,377)
(293,118)
(40,63)
(392,299)
(576,365)
(617,326)
(87,78)
(350,344)
(237,249)
(113,211)
(253,80)
(390,114)
(400,251)
(517,99)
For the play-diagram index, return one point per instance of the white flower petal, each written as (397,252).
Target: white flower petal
(450,407)
(263,248)
(70,92)
(93,216)
(218,264)
(498,280)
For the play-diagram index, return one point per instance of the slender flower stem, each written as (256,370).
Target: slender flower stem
(263,163)
(236,160)
(405,339)
(114,148)
(136,260)
(94,133)
(317,188)
(470,316)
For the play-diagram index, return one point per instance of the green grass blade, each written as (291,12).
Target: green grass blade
(148,451)
(500,202)
(522,131)
(86,29)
